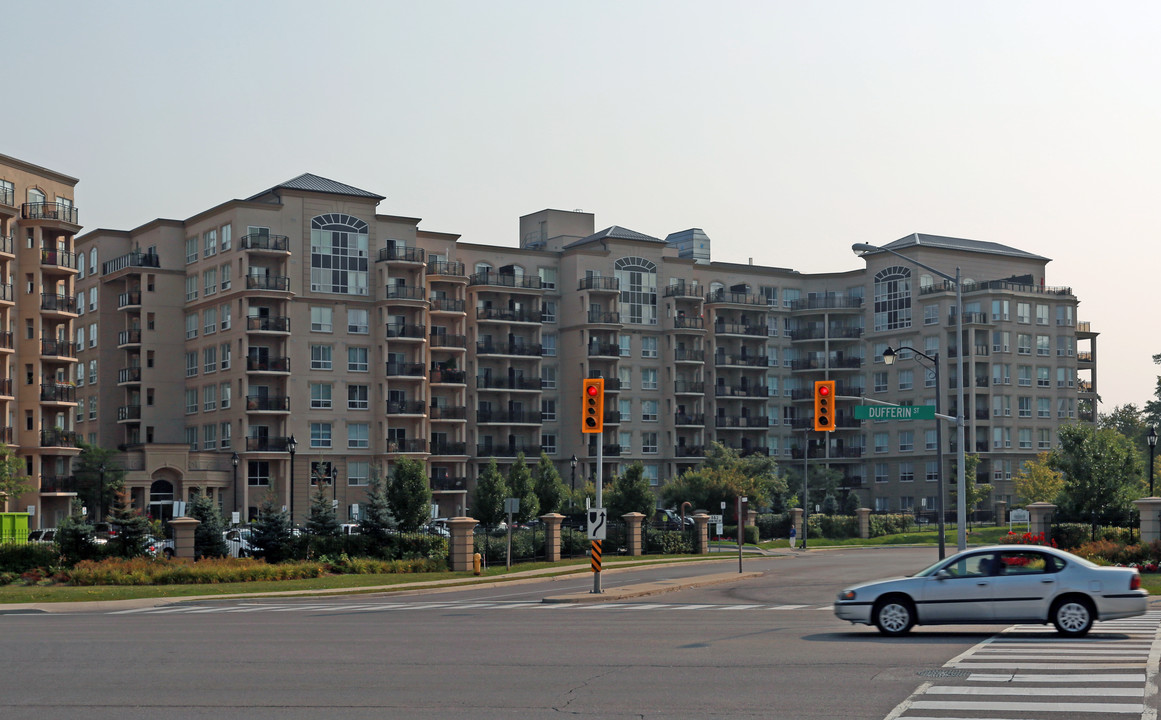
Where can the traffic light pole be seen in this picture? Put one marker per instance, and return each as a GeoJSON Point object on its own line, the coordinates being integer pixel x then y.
{"type": "Point", "coordinates": [600, 503]}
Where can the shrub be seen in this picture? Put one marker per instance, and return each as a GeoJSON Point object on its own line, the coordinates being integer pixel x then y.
{"type": "Point", "coordinates": [151, 571]}
{"type": "Point", "coordinates": [835, 527]}
{"type": "Point", "coordinates": [347, 565]}
{"type": "Point", "coordinates": [668, 542]}
{"type": "Point", "coordinates": [749, 533]}
{"type": "Point", "coordinates": [21, 558]}
{"type": "Point", "coordinates": [773, 525]}
{"type": "Point", "coordinates": [1072, 535]}
{"type": "Point", "coordinates": [573, 542]}
{"type": "Point", "coordinates": [891, 524]}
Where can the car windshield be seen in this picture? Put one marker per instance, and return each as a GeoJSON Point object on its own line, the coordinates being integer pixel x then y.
{"type": "Point", "coordinates": [930, 569]}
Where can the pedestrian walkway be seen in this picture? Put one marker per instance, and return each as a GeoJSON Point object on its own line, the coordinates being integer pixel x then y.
{"type": "Point", "coordinates": [1029, 671]}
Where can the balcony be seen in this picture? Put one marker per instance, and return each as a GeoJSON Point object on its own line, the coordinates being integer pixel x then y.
{"type": "Point", "coordinates": [6, 389]}
{"type": "Point", "coordinates": [7, 197]}
{"type": "Point", "coordinates": [611, 384]}
{"type": "Point", "coordinates": [444, 340]}
{"type": "Point", "coordinates": [447, 412]}
{"type": "Point", "coordinates": [62, 212]}
{"type": "Point", "coordinates": [405, 369]}
{"type": "Point", "coordinates": [268, 282]}
{"type": "Point", "coordinates": [7, 341]}
{"type": "Point", "coordinates": [508, 280]}
{"type": "Point", "coordinates": [448, 448]}
{"type": "Point", "coordinates": [265, 242]}
{"type": "Point", "coordinates": [488, 382]}
{"type": "Point", "coordinates": [129, 299]}
{"type": "Point", "coordinates": [688, 323]}
{"type": "Point", "coordinates": [268, 365]}
{"type": "Point", "coordinates": [835, 333]}
{"type": "Point", "coordinates": [58, 259]}
{"type": "Point", "coordinates": [7, 434]}
{"type": "Point", "coordinates": [508, 417]}
{"type": "Point", "coordinates": [682, 419]}
{"type": "Point", "coordinates": [725, 328]}
{"type": "Point", "coordinates": [58, 303]}
{"type": "Point", "coordinates": [522, 349]}
{"type": "Point", "coordinates": [128, 375]}
{"type": "Point", "coordinates": [6, 294]}
{"type": "Point", "coordinates": [507, 450]}
{"type": "Point", "coordinates": [448, 377]}
{"type": "Point", "coordinates": [268, 403]}
{"type": "Point", "coordinates": [599, 349]}
{"type": "Point", "coordinates": [411, 445]}
{"type": "Point", "coordinates": [57, 437]}
{"type": "Point", "coordinates": [830, 302]}
{"type": "Point", "coordinates": [406, 407]}
{"type": "Point", "coordinates": [395, 253]}
{"type": "Point", "coordinates": [736, 298]}
{"type": "Point", "coordinates": [609, 450]}
{"type": "Point", "coordinates": [58, 348]}
{"type": "Point", "coordinates": [448, 483]}
{"type": "Point", "coordinates": [406, 331]}
{"type": "Point", "coordinates": [266, 444]}
{"type": "Point", "coordinates": [58, 393]}
{"type": "Point", "coordinates": [689, 451]}
{"type": "Point", "coordinates": [447, 305]}
{"type": "Point", "coordinates": [731, 360]}
{"type": "Point", "coordinates": [128, 260]}
{"type": "Point", "coordinates": [684, 387]}
{"type": "Point", "coordinates": [58, 484]}
{"type": "Point", "coordinates": [131, 336]}
{"type": "Point", "coordinates": [503, 315]}
{"type": "Point", "coordinates": [599, 317]}
{"type": "Point", "coordinates": [129, 413]}
{"type": "Point", "coordinates": [742, 391]}
{"type": "Point", "coordinates": [275, 324]}
{"type": "Point", "coordinates": [405, 292]}
{"type": "Point", "coordinates": [683, 289]}
{"type": "Point", "coordinates": [600, 283]}
{"type": "Point", "coordinates": [694, 356]}
{"type": "Point", "coordinates": [741, 422]}
{"type": "Point", "coordinates": [445, 268]}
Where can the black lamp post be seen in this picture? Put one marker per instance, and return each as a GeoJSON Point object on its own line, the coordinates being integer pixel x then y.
{"type": "Point", "coordinates": [1152, 438]}
{"type": "Point", "coordinates": [101, 496]}
{"type": "Point", "coordinates": [234, 460]}
{"type": "Point", "coordinates": [335, 485]}
{"type": "Point", "coordinates": [291, 447]}
{"type": "Point", "coordinates": [572, 464]}
{"type": "Point", "coordinates": [889, 359]}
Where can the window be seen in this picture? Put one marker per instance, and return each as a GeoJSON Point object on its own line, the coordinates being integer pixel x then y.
{"type": "Point", "coordinates": [548, 443]}
{"type": "Point", "coordinates": [210, 436]}
{"type": "Point", "coordinates": [191, 437]}
{"type": "Point", "coordinates": [93, 371]}
{"type": "Point", "coordinates": [648, 411]}
{"type": "Point", "coordinates": [1025, 407]}
{"type": "Point", "coordinates": [906, 440]}
{"type": "Point", "coordinates": [225, 356]}
{"type": "Point", "coordinates": [1000, 310]}
{"type": "Point", "coordinates": [881, 476]}
{"type": "Point", "coordinates": [906, 472]}
{"type": "Point", "coordinates": [1043, 439]}
{"type": "Point", "coordinates": [224, 395]}
{"type": "Point", "coordinates": [626, 410]}
{"type": "Point", "coordinates": [893, 298]}
{"type": "Point", "coordinates": [191, 250]}
{"type": "Point", "coordinates": [625, 349]}
{"type": "Point", "coordinates": [930, 440]}
{"type": "Point", "coordinates": [548, 311]}
{"type": "Point", "coordinates": [210, 243]}
{"type": "Point", "coordinates": [930, 314]}
{"type": "Point", "coordinates": [258, 472]}
{"type": "Point", "coordinates": [625, 442]}
{"type": "Point", "coordinates": [638, 281]}
{"type": "Point", "coordinates": [338, 254]}
{"type": "Point", "coordinates": [1064, 315]}
{"type": "Point", "coordinates": [649, 443]}
{"type": "Point", "coordinates": [1001, 405]}
{"type": "Point", "coordinates": [191, 401]}
{"type": "Point", "coordinates": [320, 396]}
{"type": "Point", "coordinates": [648, 378]}
{"type": "Point", "coordinates": [209, 398]}
{"type": "Point", "coordinates": [1063, 378]}
{"type": "Point", "coordinates": [93, 407]}
{"type": "Point", "coordinates": [548, 345]}
{"type": "Point", "coordinates": [357, 321]}
{"type": "Point", "coordinates": [1023, 344]}
{"type": "Point", "coordinates": [1043, 345]}
{"type": "Point", "coordinates": [548, 377]}
{"type": "Point", "coordinates": [81, 337]}
{"type": "Point", "coordinates": [210, 320]}
{"type": "Point", "coordinates": [1024, 375]}
{"type": "Point", "coordinates": [358, 472]}
{"type": "Point", "coordinates": [1025, 439]}
{"type": "Point", "coordinates": [191, 326]}
{"type": "Point", "coordinates": [320, 357]}
{"type": "Point", "coordinates": [648, 347]}
{"type": "Point", "coordinates": [548, 410]}
{"type": "Point", "coordinates": [790, 296]}
{"type": "Point", "coordinates": [225, 276]}
{"type": "Point", "coordinates": [210, 359]}
{"type": "Point", "coordinates": [226, 234]}
{"type": "Point", "coordinates": [1001, 341]}
{"type": "Point", "coordinates": [357, 359]}
{"type": "Point", "coordinates": [210, 282]}
{"type": "Point", "coordinates": [1043, 407]}
{"type": "Point", "coordinates": [92, 299]}
{"type": "Point", "coordinates": [1041, 314]}
{"type": "Point", "coordinates": [1001, 374]}
{"type": "Point", "coordinates": [81, 302]}
{"type": "Point", "coordinates": [320, 435]}
{"type": "Point", "coordinates": [906, 379]}
{"type": "Point", "coordinates": [880, 379]}
{"type": "Point", "coordinates": [625, 376]}
{"type": "Point", "coordinates": [1065, 345]}
{"type": "Point", "coordinates": [358, 435]}
{"type": "Point", "coordinates": [358, 397]}
{"type": "Point", "coordinates": [932, 472]}
{"type": "Point", "coordinates": [225, 315]}
{"type": "Point", "coordinates": [191, 364]}
{"type": "Point", "coordinates": [547, 278]}
{"type": "Point", "coordinates": [1024, 313]}
{"type": "Point", "coordinates": [881, 442]}
{"type": "Point", "coordinates": [1043, 377]}
{"type": "Point", "coordinates": [320, 319]}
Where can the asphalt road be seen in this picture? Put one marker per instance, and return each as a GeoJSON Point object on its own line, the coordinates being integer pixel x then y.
{"type": "Point", "coordinates": [765, 647]}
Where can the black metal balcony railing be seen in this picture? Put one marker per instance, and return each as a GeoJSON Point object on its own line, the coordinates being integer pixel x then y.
{"type": "Point", "coordinates": [599, 349]}
{"type": "Point", "coordinates": [834, 333]}
{"type": "Point", "coordinates": [487, 382]}
{"type": "Point", "coordinates": [129, 374]}
{"type": "Point", "coordinates": [58, 258]}
{"type": "Point", "coordinates": [58, 484]}
{"type": "Point", "coordinates": [7, 340]}
{"type": "Point", "coordinates": [270, 364]}
{"type": "Point", "coordinates": [447, 305]}
{"type": "Point", "coordinates": [688, 451]}
{"type": "Point", "coordinates": [445, 484]}
{"type": "Point", "coordinates": [442, 376]}
{"type": "Point", "coordinates": [263, 241]}
{"type": "Point", "coordinates": [599, 282]}
{"type": "Point", "coordinates": [58, 348]}
{"type": "Point", "coordinates": [445, 267]}
{"type": "Point", "coordinates": [406, 330]}
{"type": "Point", "coordinates": [448, 412]}
{"type": "Point", "coordinates": [58, 303]}
{"type": "Point", "coordinates": [685, 419]}
{"type": "Point", "coordinates": [131, 336]}
{"type": "Point", "coordinates": [484, 348]}
{"type": "Point", "coordinates": [524, 282]}
{"type": "Point", "coordinates": [610, 450]}
{"type": "Point", "coordinates": [688, 323]}
{"type": "Point", "coordinates": [125, 299]}
{"type": "Point", "coordinates": [604, 318]}
{"type": "Point", "coordinates": [444, 340]}
{"type": "Point", "coordinates": [266, 444]}
{"type": "Point", "coordinates": [515, 417]}
{"type": "Point", "coordinates": [507, 450]}
{"type": "Point", "coordinates": [268, 324]}
{"type": "Point", "coordinates": [50, 211]}
{"type": "Point", "coordinates": [735, 298]}
{"type": "Point", "coordinates": [8, 196]}
{"type": "Point", "coordinates": [529, 316]}
{"type": "Point", "coordinates": [268, 403]}
{"type": "Point", "coordinates": [830, 302]}
{"type": "Point", "coordinates": [725, 328]}
{"type": "Point", "coordinates": [405, 369]}
{"type": "Point", "coordinates": [682, 355]}
{"type": "Point", "coordinates": [611, 384]}
{"type": "Point", "coordinates": [267, 282]}
{"type": "Point", "coordinates": [741, 421]}
{"type": "Point", "coordinates": [410, 445]}
{"type": "Point", "coordinates": [56, 392]}
{"type": "Point", "coordinates": [404, 254]}
{"type": "Point", "coordinates": [683, 289]}
{"type": "Point", "coordinates": [6, 388]}
{"type": "Point", "coordinates": [753, 391]}
{"type": "Point", "coordinates": [448, 448]}
{"type": "Point", "coordinates": [687, 387]}
{"type": "Point", "coordinates": [6, 293]}
{"type": "Point", "coordinates": [727, 359]}
{"type": "Point", "coordinates": [133, 259]}
{"type": "Point", "coordinates": [405, 292]}
{"type": "Point", "coordinates": [129, 412]}
{"type": "Point", "coordinates": [56, 437]}
{"type": "Point", "coordinates": [406, 407]}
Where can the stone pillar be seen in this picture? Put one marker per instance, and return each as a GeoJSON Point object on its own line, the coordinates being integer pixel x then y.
{"type": "Point", "coordinates": [552, 523]}
{"type": "Point", "coordinates": [864, 515]}
{"type": "Point", "coordinates": [634, 539]}
{"type": "Point", "coordinates": [183, 536]}
{"type": "Point", "coordinates": [1040, 517]}
{"type": "Point", "coordinates": [701, 533]}
{"type": "Point", "coordinates": [1001, 512]}
{"type": "Point", "coordinates": [751, 517]}
{"type": "Point", "coordinates": [1150, 509]}
{"type": "Point", "coordinates": [796, 515]}
{"type": "Point", "coordinates": [462, 543]}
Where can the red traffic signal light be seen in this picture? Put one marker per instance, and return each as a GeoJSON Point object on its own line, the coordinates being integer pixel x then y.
{"type": "Point", "coordinates": [593, 406]}
{"type": "Point", "coordinates": [824, 405]}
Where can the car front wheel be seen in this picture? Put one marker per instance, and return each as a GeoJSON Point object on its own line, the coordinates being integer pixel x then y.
{"type": "Point", "coordinates": [894, 615]}
{"type": "Point", "coordinates": [1072, 616]}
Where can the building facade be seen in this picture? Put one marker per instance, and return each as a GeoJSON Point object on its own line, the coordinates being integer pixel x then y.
{"type": "Point", "coordinates": [302, 313]}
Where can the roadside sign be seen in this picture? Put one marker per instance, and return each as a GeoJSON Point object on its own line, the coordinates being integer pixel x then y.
{"type": "Point", "coordinates": [716, 519]}
{"type": "Point", "coordinates": [511, 506]}
{"type": "Point", "coordinates": [1018, 515]}
{"type": "Point", "coordinates": [892, 412]}
{"type": "Point", "coordinates": [597, 525]}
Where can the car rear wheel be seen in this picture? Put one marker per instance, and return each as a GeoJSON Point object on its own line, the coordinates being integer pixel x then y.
{"type": "Point", "coordinates": [894, 615]}
{"type": "Point", "coordinates": [168, 553]}
{"type": "Point", "coordinates": [1072, 616]}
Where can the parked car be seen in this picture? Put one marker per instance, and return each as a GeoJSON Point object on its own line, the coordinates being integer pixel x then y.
{"type": "Point", "coordinates": [1000, 584]}
{"type": "Point", "coordinates": [160, 546]}
{"type": "Point", "coordinates": [44, 535]}
{"type": "Point", "coordinates": [103, 532]}
{"type": "Point", "coordinates": [670, 520]}
{"type": "Point", "coordinates": [238, 540]}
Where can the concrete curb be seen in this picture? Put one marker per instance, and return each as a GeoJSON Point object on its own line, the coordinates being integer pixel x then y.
{"type": "Point", "coordinates": [653, 588]}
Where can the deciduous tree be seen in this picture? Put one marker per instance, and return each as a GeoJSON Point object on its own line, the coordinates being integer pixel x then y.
{"type": "Point", "coordinates": [13, 481]}
{"type": "Point", "coordinates": [1037, 481]}
{"type": "Point", "coordinates": [521, 487]}
{"type": "Point", "coordinates": [550, 490]}
{"type": "Point", "coordinates": [630, 492]}
{"type": "Point", "coordinates": [409, 495]}
{"type": "Point", "coordinates": [491, 489]}
{"type": "Point", "coordinates": [1102, 472]}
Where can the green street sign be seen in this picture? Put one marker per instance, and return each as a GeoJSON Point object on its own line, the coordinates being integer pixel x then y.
{"type": "Point", "coordinates": [890, 412]}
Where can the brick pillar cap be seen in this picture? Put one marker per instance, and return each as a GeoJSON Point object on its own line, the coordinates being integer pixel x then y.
{"type": "Point", "coordinates": [183, 520]}
{"type": "Point", "coordinates": [633, 515]}
{"type": "Point", "coordinates": [552, 515]}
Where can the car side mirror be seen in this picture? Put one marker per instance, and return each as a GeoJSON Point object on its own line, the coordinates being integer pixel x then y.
{"type": "Point", "coordinates": [942, 575]}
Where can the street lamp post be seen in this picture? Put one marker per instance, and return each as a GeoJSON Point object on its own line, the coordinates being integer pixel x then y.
{"type": "Point", "coordinates": [291, 447]}
{"type": "Point", "coordinates": [572, 464]}
{"type": "Point", "coordinates": [234, 460]}
{"type": "Point", "coordinates": [1152, 438]}
{"type": "Point", "coordinates": [889, 358]}
{"type": "Point", "coordinates": [335, 485]}
{"type": "Point", "coordinates": [101, 496]}
{"type": "Point", "coordinates": [961, 482]}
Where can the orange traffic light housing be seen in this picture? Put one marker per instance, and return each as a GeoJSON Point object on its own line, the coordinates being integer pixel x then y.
{"type": "Point", "coordinates": [593, 404]}
{"type": "Point", "coordinates": [824, 405]}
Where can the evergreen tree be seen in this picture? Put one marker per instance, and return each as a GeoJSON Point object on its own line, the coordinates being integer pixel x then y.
{"type": "Point", "coordinates": [208, 540]}
{"type": "Point", "coordinates": [850, 503]}
{"type": "Point", "coordinates": [409, 495]}
{"type": "Point", "coordinates": [829, 505]}
{"type": "Point", "coordinates": [97, 494]}
{"type": "Point", "coordinates": [133, 528]}
{"type": "Point", "coordinates": [630, 492]}
{"type": "Point", "coordinates": [375, 519]}
{"type": "Point", "coordinates": [488, 505]}
{"type": "Point", "coordinates": [74, 536]}
{"type": "Point", "coordinates": [322, 525]}
{"type": "Point", "coordinates": [549, 488]}
{"type": "Point", "coordinates": [520, 485]}
{"type": "Point", "coordinates": [271, 535]}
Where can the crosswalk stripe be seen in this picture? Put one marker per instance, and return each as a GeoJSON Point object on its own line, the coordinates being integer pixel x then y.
{"type": "Point", "coordinates": [1015, 677]}
{"type": "Point", "coordinates": [1092, 692]}
{"type": "Point", "coordinates": [1011, 706]}
{"type": "Point", "coordinates": [1051, 666]}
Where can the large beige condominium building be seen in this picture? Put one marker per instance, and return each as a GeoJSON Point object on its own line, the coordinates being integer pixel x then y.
{"type": "Point", "coordinates": [302, 313]}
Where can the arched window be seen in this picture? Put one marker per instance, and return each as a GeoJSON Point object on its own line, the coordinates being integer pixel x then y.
{"type": "Point", "coordinates": [638, 280]}
{"type": "Point", "coordinates": [893, 298]}
{"type": "Point", "coordinates": [338, 254]}
{"type": "Point", "coordinates": [483, 267]}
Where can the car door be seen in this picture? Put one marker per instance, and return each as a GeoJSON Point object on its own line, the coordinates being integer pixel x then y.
{"type": "Point", "coordinates": [1023, 585]}
{"type": "Point", "coordinates": [962, 594]}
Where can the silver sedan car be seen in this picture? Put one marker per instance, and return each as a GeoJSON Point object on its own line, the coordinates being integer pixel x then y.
{"type": "Point", "coordinates": [999, 584]}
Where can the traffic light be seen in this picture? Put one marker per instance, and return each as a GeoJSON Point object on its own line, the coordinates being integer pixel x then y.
{"type": "Point", "coordinates": [824, 405]}
{"type": "Point", "coordinates": [593, 402]}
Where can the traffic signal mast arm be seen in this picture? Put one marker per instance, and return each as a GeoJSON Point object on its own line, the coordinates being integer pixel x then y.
{"type": "Point", "coordinates": [863, 398]}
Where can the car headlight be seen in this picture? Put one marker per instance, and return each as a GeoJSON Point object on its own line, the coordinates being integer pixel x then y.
{"type": "Point", "coordinates": [846, 595]}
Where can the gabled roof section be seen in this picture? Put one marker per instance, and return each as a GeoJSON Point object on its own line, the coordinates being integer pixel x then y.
{"type": "Point", "coordinates": [950, 243]}
{"type": "Point", "coordinates": [315, 183]}
{"type": "Point", "coordinates": [614, 232]}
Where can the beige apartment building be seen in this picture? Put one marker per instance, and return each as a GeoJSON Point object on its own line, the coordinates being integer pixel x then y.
{"type": "Point", "coordinates": [38, 268]}
{"type": "Point", "coordinates": [301, 318]}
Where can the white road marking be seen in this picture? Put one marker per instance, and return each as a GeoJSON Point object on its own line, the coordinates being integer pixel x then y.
{"type": "Point", "coordinates": [1092, 692]}
{"type": "Point", "coordinates": [1010, 706]}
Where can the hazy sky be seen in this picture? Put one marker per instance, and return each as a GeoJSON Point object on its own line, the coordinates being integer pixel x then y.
{"type": "Point", "coordinates": [787, 130]}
